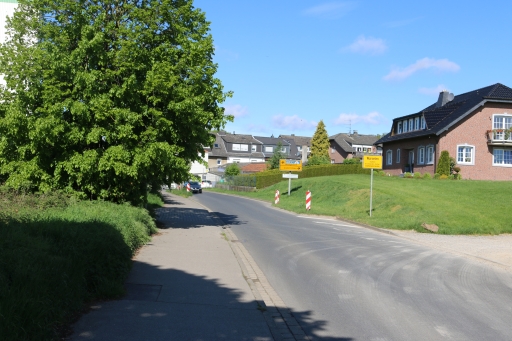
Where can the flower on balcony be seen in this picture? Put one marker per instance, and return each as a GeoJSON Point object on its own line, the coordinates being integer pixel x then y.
{"type": "Point", "coordinates": [492, 133]}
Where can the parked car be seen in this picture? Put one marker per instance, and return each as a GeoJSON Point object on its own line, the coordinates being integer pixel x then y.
{"type": "Point", "coordinates": [195, 187]}
{"type": "Point", "coordinates": [206, 184]}
{"type": "Point", "coordinates": [174, 186]}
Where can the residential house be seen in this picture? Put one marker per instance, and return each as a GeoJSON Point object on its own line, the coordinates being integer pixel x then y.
{"type": "Point", "coordinates": [230, 148]}
{"type": "Point", "coordinates": [270, 145]}
{"type": "Point", "coordinates": [298, 144]}
{"type": "Point", "coordinates": [474, 127]}
{"type": "Point", "coordinates": [345, 146]}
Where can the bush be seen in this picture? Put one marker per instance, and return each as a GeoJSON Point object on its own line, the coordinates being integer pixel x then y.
{"type": "Point", "coordinates": [444, 165]}
{"type": "Point", "coordinates": [232, 170]}
{"type": "Point", "coordinates": [408, 175]}
{"type": "Point", "coordinates": [352, 161]}
{"type": "Point", "coordinates": [417, 175]}
{"type": "Point", "coordinates": [53, 261]}
{"type": "Point", "coordinates": [318, 160]}
{"type": "Point", "coordinates": [443, 177]}
{"type": "Point", "coordinates": [437, 176]}
{"type": "Point", "coordinates": [427, 176]}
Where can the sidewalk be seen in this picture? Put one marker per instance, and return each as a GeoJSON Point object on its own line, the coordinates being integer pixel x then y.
{"type": "Point", "coordinates": [185, 285]}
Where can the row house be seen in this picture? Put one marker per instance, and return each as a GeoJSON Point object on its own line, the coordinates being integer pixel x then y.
{"type": "Point", "coordinates": [346, 146]}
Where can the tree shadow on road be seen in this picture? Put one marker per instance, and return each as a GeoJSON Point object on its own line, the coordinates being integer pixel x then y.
{"type": "Point", "coordinates": [171, 304]}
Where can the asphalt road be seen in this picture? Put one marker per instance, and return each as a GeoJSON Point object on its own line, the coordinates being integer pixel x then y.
{"type": "Point", "coordinates": [344, 282]}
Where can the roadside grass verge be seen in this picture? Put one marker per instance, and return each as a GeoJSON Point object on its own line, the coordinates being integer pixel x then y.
{"type": "Point", "coordinates": [457, 207]}
{"type": "Point", "coordinates": [181, 192]}
{"type": "Point", "coordinates": [56, 257]}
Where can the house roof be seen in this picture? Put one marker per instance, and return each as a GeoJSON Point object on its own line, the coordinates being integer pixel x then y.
{"type": "Point", "coordinates": [272, 140]}
{"type": "Point", "coordinates": [346, 141]}
{"type": "Point", "coordinates": [299, 140]}
{"type": "Point", "coordinates": [439, 119]}
{"type": "Point", "coordinates": [240, 138]}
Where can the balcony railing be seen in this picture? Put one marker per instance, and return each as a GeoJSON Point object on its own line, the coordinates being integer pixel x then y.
{"type": "Point", "coordinates": [499, 137]}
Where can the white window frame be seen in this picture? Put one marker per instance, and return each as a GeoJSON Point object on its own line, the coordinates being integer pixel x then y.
{"type": "Point", "coordinates": [269, 149]}
{"type": "Point", "coordinates": [283, 150]}
{"type": "Point", "coordinates": [430, 155]}
{"type": "Point", "coordinates": [254, 148]}
{"type": "Point", "coordinates": [299, 148]}
{"type": "Point", "coordinates": [405, 126]}
{"type": "Point", "coordinates": [501, 164]}
{"type": "Point", "coordinates": [416, 123]}
{"type": "Point", "coordinates": [421, 155]}
{"type": "Point", "coordinates": [219, 162]}
{"type": "Point", "coordinates": [411, 124]}
{"type": "Point", "coordinates": [502, 125]}
{"type": "Point", "coordinates": [333, 150]}
{"type": "Point", "coordinates": [464, 160]}
{"type": "Point", "coordinates": [332, 160]}
{"type": "Point", "coordinates": [389, 157]}
{"type": "Point", "coordinates": [422, 124]}
{"type": "Point", "coordinates": [399, 128]}
{"type": "Point", "coordinates": [235, 146]}
{"type": "Point", "coordinates": [398, 155]}
{"type": "Point", "coordinates": [236, 160]}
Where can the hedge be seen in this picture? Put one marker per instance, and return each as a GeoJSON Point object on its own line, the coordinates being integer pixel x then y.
{"type": "Point", "coordinates": [269, 178]}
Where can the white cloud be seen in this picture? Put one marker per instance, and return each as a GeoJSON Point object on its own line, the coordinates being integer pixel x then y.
{"type": "Point", "coordinates": [292, 122]}
{"type": "Point", "coordinates": [330, 10]}
{"type": "Point", "coordinates": [433, 91]}
{"type": "Point", "coordinates": [425, 63]}
{"type": "Point", "coordinates": [372, 118]}
{"type": "Point", "coordinates": [367, 45]}
{"type": "Point", "coordinates": [236, 110]}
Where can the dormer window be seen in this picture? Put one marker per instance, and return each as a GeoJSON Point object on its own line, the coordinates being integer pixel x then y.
{"type": "Point", "coordinates": [411, 127]}
{"type": "Point", "coordinates": [416, 123]}
{"type": "Point", "coordinates": [422, 122]}
{"type": "Point", "coordinates": [405, 126]}
{"type": "Point", "coordinates": [399, 128]}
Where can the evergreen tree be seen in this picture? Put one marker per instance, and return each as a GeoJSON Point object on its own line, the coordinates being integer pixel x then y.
{"type": "Point", "coordinates": [273, 163]}
{"type": "Point", "coordinates": [320, 142]}
{"type": "Point", "coordinates": [443, 166]}
{"type": "Point", "coordinates": [106, 98]}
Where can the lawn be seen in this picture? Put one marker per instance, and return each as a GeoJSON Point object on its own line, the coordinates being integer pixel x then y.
{"type": "Point", "coordinates": [457, 207]}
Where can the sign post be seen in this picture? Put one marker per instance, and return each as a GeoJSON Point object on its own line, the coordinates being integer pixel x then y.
{"type": "Point", "coordinates": [290, 165]}
{"type": "Point", "coordinates": [372, 162]}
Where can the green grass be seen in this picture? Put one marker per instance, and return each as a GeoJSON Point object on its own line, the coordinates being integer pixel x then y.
{"type": "Point", "coordinates": [57, 254]}
{"type": "Point", "coordinates": [181, 192]}
{"type": "Point", "coordinates": [457, 207]}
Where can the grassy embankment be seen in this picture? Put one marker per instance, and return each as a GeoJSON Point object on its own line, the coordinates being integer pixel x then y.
{"type": "Point", "coordinates": [57, 254]}
{"type": "Point", "coordinates": [457, 207]}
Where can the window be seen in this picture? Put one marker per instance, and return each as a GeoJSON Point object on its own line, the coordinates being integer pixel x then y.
{"type": "Point", "coordinates": [398, 156]}
{"type": "Point", "coordinates": [502, 157]}
{"type": "Point", "coordinates": [417, 123]}
{"type": "Point", "coordinates": [411, 128]}
{"type": "Point", "coordinates": [466, 155]}
{"type": "Point", "coordinates": [502, 122]}
{"type": "Point", "coordinates": [405, 126]}
{"type": "Point", "coordinates": [219, 161]}
{"type": "Point", "coordinates": [299, 148]}
{"type": "Point", "coordinates": [253, 160]}
{"type": "Point", "coordinates": [241, 147]}
{"type": "Point", "coordinates": [421, 155]}
{"type": "Point", "coordinates": [389, 157]}
{"type": "Point", "coordinates": [399, 128]}
{"type": "Point", "coordinates": [333, 150]}
{"type": "Point", "coordinates": [283, 149]}
{"type": "Point", "coordinates": [269, 149]}
{"type": "Point", "coordinates": [422, 122]}
{"type": "Point", "coordinates": [216, 145]}
{"type": "Point", "coordinates": [332, 160]}
{"type": "Point", "coordinates": [430, 155]}
{"type": "Point", "coordinates": [253, 148]}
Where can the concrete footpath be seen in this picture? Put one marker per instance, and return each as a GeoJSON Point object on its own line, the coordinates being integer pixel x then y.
{"type": "Point", "coordinates": [191, 282]}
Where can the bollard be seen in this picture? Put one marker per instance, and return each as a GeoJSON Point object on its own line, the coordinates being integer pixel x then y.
{"type": "Point", "coordinates": [308, 200]}
{"type": "Point", "coordinates": [276, 200]}
{"type": "Point", "coordinates": [188, 187]}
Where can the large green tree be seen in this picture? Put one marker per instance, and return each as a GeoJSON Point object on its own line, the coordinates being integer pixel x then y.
{"type": "Point", "coordinates": [319, 145]}
{"type": "Point", "coordinates": [105, 98]}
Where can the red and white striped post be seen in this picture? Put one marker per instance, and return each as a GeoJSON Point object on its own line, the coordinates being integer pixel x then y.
{"type": "Point", "coordinates": [276, 200]}
{"type": "Point", "coordinates": [308, 200]}
{"type": "Point", "coordinates": [188, 187]}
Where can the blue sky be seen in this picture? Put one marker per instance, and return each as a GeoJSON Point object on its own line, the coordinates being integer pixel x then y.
{"type": "Point", "coordinates": [353, 64]}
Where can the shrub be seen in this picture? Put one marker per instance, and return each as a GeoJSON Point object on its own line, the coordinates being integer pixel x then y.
{"type": "Point", "coordinates": [427, 176]}
{"type": "Point", "coordinates": [444, 167]}
{"type": "Point", "coordinates": [443, 177]}
{"type": "Point", "coordinates": [232, 170]}
{"type": "Point", "coordinates": [408, 175]}
{"type": "Point", "coordinates": [352, 161]}
{"type": "Point", "coordinates": [437, 176]}
{"type": "Point", "coordinates": [318, 160]}
{"type": "Point", "coordinates": [417, 175]}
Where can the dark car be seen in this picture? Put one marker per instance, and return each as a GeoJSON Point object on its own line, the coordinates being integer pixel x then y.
{"type": "Point", "coordinates": [195, 187]}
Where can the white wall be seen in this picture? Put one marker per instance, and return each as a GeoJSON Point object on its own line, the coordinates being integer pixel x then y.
{"type": "Point", "coordinates": [7, 8]}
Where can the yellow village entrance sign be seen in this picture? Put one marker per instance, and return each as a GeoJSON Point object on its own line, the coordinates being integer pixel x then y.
{"type": "Point", "coordinates": [372, 161]}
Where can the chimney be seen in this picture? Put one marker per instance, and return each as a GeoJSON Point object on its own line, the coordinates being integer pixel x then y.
{"type": "Point", "coordinates": [293, 134]}
{"type": "Point", "coordinates": [355, 133]}
{"type": "Point", "coordinates": [444, 97]}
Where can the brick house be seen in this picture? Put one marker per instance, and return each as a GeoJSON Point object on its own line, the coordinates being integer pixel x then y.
{"type": "Point", "coordinates": [238, 148]}
{"type": "Point", "coordinates": [345, 146]}
{"type": "Point", "coordinates": [474, 127]}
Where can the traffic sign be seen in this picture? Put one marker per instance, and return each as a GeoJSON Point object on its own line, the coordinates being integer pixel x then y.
{"type": "Point", "coordinates": [290, 165]}
{"type": "Point", "coordinates": [372, 161]}
{"type": "Point", "coordinates": [291, 176]}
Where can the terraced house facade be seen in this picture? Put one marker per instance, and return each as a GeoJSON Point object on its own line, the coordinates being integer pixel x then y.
{"type": "Point", "coordinates": [474, 127]}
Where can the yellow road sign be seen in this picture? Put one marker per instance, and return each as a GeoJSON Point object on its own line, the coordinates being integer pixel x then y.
{"type": "Point", "coordinates": [290, 165]}
{"type": "Point", "coordinates": [372, 161]}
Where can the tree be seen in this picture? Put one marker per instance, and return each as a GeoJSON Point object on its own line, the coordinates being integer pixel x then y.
{"type": "Point", "coordinates": [273, 162]}
{"type": "Point", "coordinates": [106, 98]}
{"type": "Point", "coordinates": [443, 166]}
{"type": "Point", "coordinates": [320, 142]}
{"type": "Point", "coordinates": [232, 170]}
